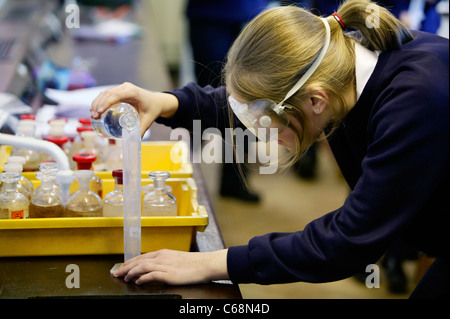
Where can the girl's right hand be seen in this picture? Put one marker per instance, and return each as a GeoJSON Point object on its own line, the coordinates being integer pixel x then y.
{"type": "Point", "coordinates": [150, 105]}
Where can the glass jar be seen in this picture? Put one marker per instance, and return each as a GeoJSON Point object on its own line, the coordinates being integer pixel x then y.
{"type": "Point", "coordinates": [13, 204]}
{"type": "Point", "coordinates": [84, 202]}
{"type": "Point", "coordinates": [45, 202]}
{"type": "Point", "coordinates": [159, 202]}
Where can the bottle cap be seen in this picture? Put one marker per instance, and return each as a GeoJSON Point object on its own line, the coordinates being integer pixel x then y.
{"type": "Point", "coordinates": [48, 166]}
{"type": "Point", "coordinates": [13, 167]}
{"type": "Point", "coordinates": [58, 121]}
{"type": "Point", "coordinates": [84, 174]}
{"type": "Point", "coordinates": [84, 128]}
{"type": "Point", "coordinates": [16, 159]}
{"type": "Point", "coordinates": [84, 121]}
{"type": "Point", "coordinates": [60, 141]}
{"type": "Point", "coordinates": [28, 117]}
{"type": "Point", "coordinates": [90, 135]}
{"type": "Point", "coordinates": [11, 177]}
{"type": "Point", "coordinates": [56, 131]}
{"type": "Point", "coordinates": [25, 130]}
{"type": "Point", "coordinates": [118, 175]}
{"type": "Point", "coordinates": [84, 160]}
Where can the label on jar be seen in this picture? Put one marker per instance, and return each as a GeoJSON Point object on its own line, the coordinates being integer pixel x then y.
{"type": "Point", "coordinates": [18, 214]}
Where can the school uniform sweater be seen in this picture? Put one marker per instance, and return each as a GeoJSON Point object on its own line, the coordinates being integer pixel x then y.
{"type": "Point", "coordinates": [393, 150]}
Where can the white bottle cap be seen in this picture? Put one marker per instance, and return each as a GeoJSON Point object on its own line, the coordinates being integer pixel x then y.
{"type": "Point", "coordinates": [88, 135]}
{"type": "Point", "coordinates": [56, 131]}
{"type": "Point", "coordinates": [25, 130]}
{"type": "Point", "coordinates": [16, 159]}
{"type": "Point", "coordinates": [13, 167]}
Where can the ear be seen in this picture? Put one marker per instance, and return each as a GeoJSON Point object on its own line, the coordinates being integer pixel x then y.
{"type": "Point", "coordinates": [318, 99]}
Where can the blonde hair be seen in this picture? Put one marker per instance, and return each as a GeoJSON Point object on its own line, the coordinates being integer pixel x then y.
{"type": "Point", "coordinates": [277, 47]}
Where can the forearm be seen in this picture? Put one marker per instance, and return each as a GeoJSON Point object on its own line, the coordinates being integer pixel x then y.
{"type": "Point", "coordinates": [215, 263]}
{"type": "Point", "coordinates": [169, 104]}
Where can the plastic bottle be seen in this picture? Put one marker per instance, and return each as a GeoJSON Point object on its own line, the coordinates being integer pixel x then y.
{"type": "Point", "coordinates": [113, 201]}
{"type": "Point", "coordinates": [45, 202]}
{"type": "Point", "coordinates": [84, 203]}
{"type": "Point", "coordinates": [57, 136]}
{"type": "Point", "coordinates": [13, 204]}
{"type": "Point", "coordinates": [24, 185]}
{"type": "Point", "coordinates": [84, 162]}
{"type": "Point", "coordinates": [118, 116]}
{"type": "Point", "coordinates": [113, 155]}
{"type": "Point", "coordinates": [77, 144]}
{"type": "Point", "coordinates": [89, 146]}
{"type": "Point", "coordinates": [159, 202]}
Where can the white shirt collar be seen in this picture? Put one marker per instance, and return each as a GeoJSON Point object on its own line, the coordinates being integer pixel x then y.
{"type": "Point", "coordinates": [365, 61]}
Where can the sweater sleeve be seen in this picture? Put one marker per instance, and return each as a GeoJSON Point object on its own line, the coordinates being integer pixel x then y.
{"type": "Point", "coordinates": [407, 157]}
{"type": "Point", "coordinates": [207, 104]}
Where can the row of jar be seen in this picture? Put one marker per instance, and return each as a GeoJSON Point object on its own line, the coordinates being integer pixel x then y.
{"type": "Point", "coordinates": [108, 151]}
{"type": "Point", "coordinates": [45, 201]}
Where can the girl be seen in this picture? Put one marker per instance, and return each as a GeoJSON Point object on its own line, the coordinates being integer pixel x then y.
{"type": "Point", "coordinates": [378, 94]}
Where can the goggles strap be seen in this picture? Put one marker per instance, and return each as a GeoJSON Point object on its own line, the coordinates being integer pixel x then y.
{"type": "Point", "coordinates": [279, 107]}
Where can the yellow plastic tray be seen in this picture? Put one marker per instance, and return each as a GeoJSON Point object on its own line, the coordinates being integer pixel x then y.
{"type": "Point", "coordinates": [170, 156]}
{"type": "Point", "coordinates": [104, 235]}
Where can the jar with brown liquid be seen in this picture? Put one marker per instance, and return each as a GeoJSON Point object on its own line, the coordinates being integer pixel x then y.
{"type": "Point", "coordinates": [46, 203]}
{"type": "Point", "coordinates": [84, 202]}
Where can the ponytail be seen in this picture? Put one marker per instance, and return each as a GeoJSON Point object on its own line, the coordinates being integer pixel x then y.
{"type": "Point", "coordinates": [378, 28]}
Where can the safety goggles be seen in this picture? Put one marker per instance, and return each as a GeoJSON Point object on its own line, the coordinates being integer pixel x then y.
{"type": "Point", "coordinates": [265, 118]}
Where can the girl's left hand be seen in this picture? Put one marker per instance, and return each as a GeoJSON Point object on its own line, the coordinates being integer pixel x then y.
{"type": "Point", "coordinates": [175, 267]}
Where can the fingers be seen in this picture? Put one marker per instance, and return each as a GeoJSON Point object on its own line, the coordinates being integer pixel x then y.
{"type": "Point", "coordinates": [112, 96]}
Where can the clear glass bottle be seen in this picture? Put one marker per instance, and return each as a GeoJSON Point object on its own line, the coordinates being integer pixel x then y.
{"type": "Point", "coordinates": [24, 181]}
{"type": "Point", "coordinates": [84, 203]}
{"type": "Point", "coordinates": [118, 116]}
{"type": "Point", "coordinates": [159, 202]}
{"type": "Point", "coordinates": [84, 162]}
{"type": "Point", "coordinates": [24, 185]}
{"type": "Point", "coordinates": [51, 168]}
{"type": "Point", "coordinates": [113, 201]}
{"type": "Point", "coordinates": [45, 202]}
{"type": "Point", "coordinates": [13, 204]}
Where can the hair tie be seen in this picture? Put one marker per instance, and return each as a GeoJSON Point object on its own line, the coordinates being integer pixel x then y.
{"type": "Point", "coordinates": [339, 19]}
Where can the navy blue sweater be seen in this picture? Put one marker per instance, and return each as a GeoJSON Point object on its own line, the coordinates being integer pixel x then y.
{"type": "Point", "coordinates": [393, 150]}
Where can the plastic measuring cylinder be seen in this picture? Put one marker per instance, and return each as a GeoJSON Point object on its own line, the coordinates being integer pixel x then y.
{"type": "Point", "coordinates": [131, 148]}
{"type": "Point", "coordinates": [121, 122]}
{"type": "Point", "coordinates": [118, 116]}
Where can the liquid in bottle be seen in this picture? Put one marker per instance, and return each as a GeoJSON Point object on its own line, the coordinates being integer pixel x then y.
{"type": "Point", "coordinates": [159, 202]}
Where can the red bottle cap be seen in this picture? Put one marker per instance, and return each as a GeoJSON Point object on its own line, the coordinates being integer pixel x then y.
{"type": "Point", "coordinates": [84, 128]}
{"type": "Point", "coordinates": [28, 117]}
{"type": "Point", "coordinates": [118, 176]}
{"type": "Point", "coordinates": [84, 121]}
{"type": "Point", "coordinates": [60, 141]}
{"type": "Point", "coordinates": [84, 160]}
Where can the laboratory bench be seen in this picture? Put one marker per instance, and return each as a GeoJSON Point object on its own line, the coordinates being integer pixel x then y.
{"type": "Point", "coordinates": [47, 276]}
{"type": "Point", "coordinates": [53, 276]}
